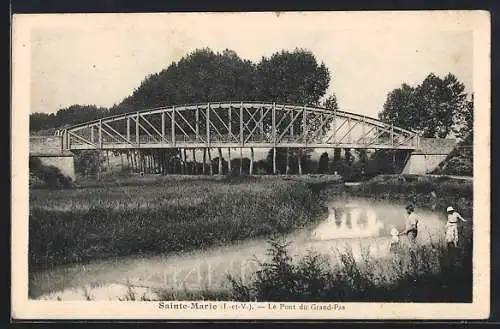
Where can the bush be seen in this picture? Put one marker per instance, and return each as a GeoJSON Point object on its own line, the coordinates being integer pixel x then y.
{"type": "Point", "coordinates": [421, 273]}
{"type": "Point", "coordinates": [42, 176]}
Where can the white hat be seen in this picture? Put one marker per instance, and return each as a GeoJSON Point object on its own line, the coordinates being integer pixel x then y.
{"type": "Point", "coordinates": [449, 209]}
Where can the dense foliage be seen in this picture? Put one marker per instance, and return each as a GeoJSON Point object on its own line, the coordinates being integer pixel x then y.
{"type": "Point", "coordinates": [207, 76]}
{"type": "Point", "coordinates": [438, 107]}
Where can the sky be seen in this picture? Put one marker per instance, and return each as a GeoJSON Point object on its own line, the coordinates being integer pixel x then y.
{"type": "Point", "coordinates": [101, 59]}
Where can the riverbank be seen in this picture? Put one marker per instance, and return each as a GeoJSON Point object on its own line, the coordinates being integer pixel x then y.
{"type": "Point", "coordinates": [421, 273]}
{"type": "Point", "coordinates": [158, 215]}
{"type": "Point", "coordinates": [98, 222]}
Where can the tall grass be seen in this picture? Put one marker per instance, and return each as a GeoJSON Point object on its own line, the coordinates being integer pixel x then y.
{"type": "Point", "coordinates": [421, 273]}
{"type": "Point", "coordinates": [426, 273]}
{"type": "Point", "coordinates": [118, 221]}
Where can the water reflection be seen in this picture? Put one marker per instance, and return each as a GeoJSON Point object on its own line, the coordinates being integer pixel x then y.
{"type": "Point", "coordinates": [349, 221]}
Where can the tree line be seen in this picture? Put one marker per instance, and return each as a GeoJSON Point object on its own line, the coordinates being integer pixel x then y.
{"type": "Point", "coordinates": [437, 107]}
{"type": "Point", "coordinates": [206, 76]}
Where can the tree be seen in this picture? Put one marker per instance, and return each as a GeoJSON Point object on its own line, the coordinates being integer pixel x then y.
{"type": "Point", "coordinates": [465, 128]}
{"type": "Point", "coordinates": [68, 116]}
{"type": "Point", "coordinates": [330, 102]}
{"type": "Point", "coordinates": [292, 77]}
{"type": "Point", "coordinates": [88, 162]}
{"type": "Point", "coordinates": [323, 163]}
{"type": "Point", "coordinates": [431, 108]}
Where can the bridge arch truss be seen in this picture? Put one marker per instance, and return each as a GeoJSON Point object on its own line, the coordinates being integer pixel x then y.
{"type": "Point", "coordinates": [237, 125]}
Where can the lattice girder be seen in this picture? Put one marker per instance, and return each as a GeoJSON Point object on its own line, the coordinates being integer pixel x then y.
{"type": "Point", "coordinates": [237, 124]}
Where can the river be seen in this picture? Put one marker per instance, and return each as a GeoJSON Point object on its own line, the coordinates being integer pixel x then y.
{"type": "Point", "coordinates": [359, 224]}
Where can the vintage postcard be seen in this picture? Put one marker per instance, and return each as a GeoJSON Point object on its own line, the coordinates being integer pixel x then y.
{"type": "Point", "coordinates": [292, 165]}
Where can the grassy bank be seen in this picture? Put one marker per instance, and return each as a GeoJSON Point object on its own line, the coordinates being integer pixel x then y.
{"type": "Point", "coordinates": [425, 192]}
{"type": "Point", "coordinates": [423, 273]}
{"type": "Point", "coordinates": [161, 215]}
{"type": "Point", "coordinates": [176, 214]}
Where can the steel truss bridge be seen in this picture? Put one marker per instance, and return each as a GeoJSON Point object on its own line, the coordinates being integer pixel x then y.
{"type": "Point", "coordinates": [237, 125]}
{"type": "Point", "coordinates": [229, 125]}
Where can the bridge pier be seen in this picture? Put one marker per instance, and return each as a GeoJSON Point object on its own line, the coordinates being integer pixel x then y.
{"type": "Point", "coordinates": [204, 161]}
{"type": "Point", "coordinates": [220, 162]}
{"type": "Point", "coordinates": [287, 170]}
{"type": "Point", "coordinates": [299, 161]}
{"type": "Point", "coordinates": [195, 165]}
{"type": "Point", "coordinates": [184, 162]}
{"type": "Point", "coordinates": [431, 153]}
{"type": "Point", "coordinates": [229, 169]}
{"type": "Point", "coordinates": [241, 161]}
{"type": "Point", "coordinates": [210, 162]}
{"type": "Point", "coordinates": [274, 160]}
{"type": "Point", "coordinates": [251, 161]}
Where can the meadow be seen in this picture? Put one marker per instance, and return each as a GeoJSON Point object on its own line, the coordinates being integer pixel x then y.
{"type": "Point", "coordinates": [161, 215]}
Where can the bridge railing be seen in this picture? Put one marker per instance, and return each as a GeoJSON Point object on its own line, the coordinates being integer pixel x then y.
{"type": "Point", "coordinates": [265, 124]}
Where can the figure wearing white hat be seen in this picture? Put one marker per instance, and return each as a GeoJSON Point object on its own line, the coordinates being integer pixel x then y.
{"type": "Point", "coordinates": [452, 226]}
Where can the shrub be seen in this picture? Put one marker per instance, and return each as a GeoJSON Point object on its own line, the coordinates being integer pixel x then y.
{"type": "Point", "coordinates": [42, 176]}
{"type": "Point", "coordinates": [421, 273]}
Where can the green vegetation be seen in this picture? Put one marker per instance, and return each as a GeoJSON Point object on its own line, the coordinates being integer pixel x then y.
{"type": "Point", "coordinates": [435, 108]}
{"type": "Point", "coordinates": [161, 216]}
{"type": "Point", "coordinates": [425, 192]}
{"type": "Point", "coordinates": [176, 214]}
{"type": "Point", "coordinates": [207, 76]}
{"type": "Point", "coordinates": [424, 273]}
{"type": "Point", "coordinates": [42, 176]}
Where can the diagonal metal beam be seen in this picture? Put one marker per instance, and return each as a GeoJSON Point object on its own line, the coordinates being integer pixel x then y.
{"type": "Point", "coordinates": [256, 126]}
{"type": "Point", "coordinates": [116, 132]}
{"type": "Point", "coordinates": [226, 126]}
{"type": "Point", "coordinates": [405, 140]}
{"type": "Point", "coordinates": [336, 130]}
{"type": "Point", "coordinates": [348, 131]}
{"type": "Point", "coordinates": [323, 123]}
{"type": "Point", "coordinates": [291, 122]}
{"type": "Point", "coordinates": [382, 131]}
{"type": "Point", "coordinates": [183, 118]}
{"type": "Point", "coordinates": [365, 134]}
{"type": "Point", "coordinates": [143, 128]}
{"type": "Point", "coordinates": [162, 137]}
{"type": "Point", "coordinates": [209, 123]}
{"type": "Point", "coordinates": [109, 134]}
{"type": "Point", "coordinates": [285, 115]}
{"type": "Point", "coordinates": [250, 118]}
{"type": "Point", "coordinates": [81, 138]}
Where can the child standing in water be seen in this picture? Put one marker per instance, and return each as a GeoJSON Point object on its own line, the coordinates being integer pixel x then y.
{"type": "Point", "coordinates": [394, 239]}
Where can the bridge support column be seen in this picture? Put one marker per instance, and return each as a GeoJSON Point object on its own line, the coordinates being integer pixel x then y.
{"type": "Point", "coordinates": [287, 161]}
{"type": "Point", "coordinates": [220, 162]}
{"type": "Point", "coordinates": [195, 165]}
{"type": "Point", "coordinates": [204, 161]}
{"type": "Point", "coordinates": [210, 162]}
{"type": "Point", "coordinates": [274, 160]}
{"type": "Point", "coordinates": [99, 165]}
{"type": "Point", "coordinates": [229, 160]}
{"type": "Point", "coordinates": [251, 161]}
{"type": "Point", "coordinates": [184, 162]}
{"type": "Point", "coordinates": [432, 152]}
{"type": "Point", "coordinates": [241, 161]}
{"type": "Point", "coordinates": [299, 161]}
